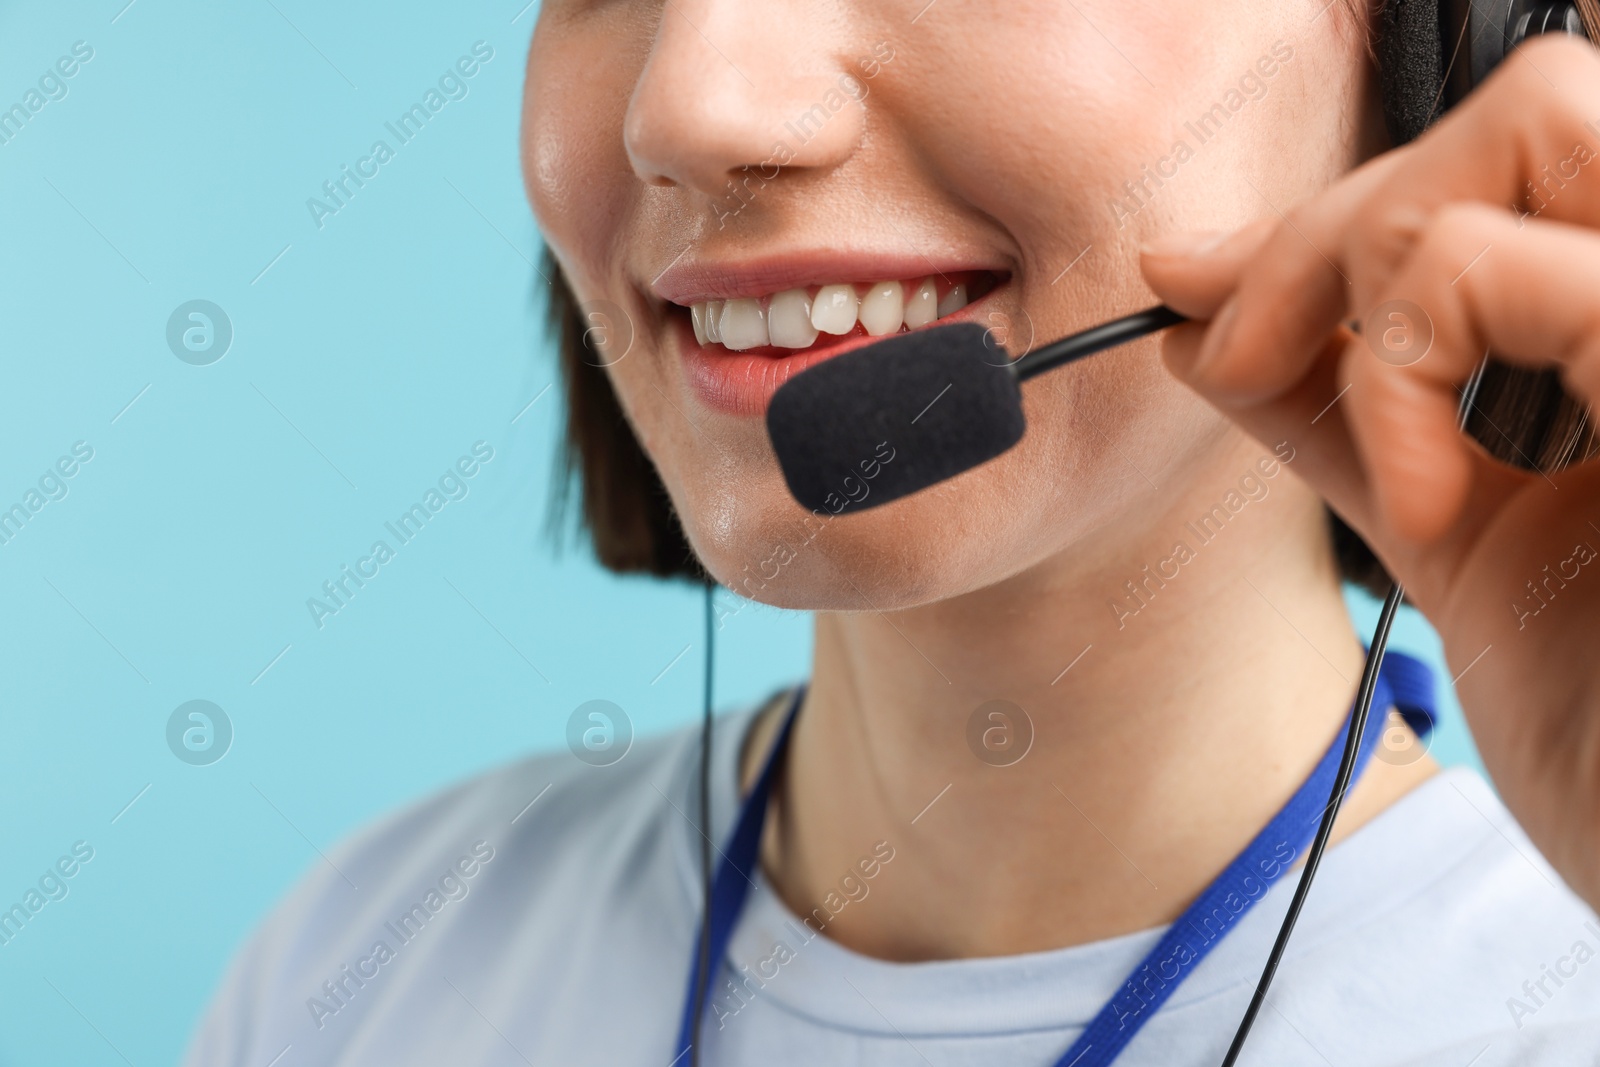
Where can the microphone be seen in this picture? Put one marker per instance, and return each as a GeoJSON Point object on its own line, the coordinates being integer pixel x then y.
{"type": "Point", "coordinates": [903, 414]}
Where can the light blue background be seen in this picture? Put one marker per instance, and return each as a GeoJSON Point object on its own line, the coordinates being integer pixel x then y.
{"type": "Point", "coordinates": [368, 355]}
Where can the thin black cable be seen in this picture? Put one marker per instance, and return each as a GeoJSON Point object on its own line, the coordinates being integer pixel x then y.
{"type": "Point", "coordinates": [1352, 744]}
{"type": "Point", "coordinates": [1096, 339]}
{"type": "Point", "coordinates": [705, 829]}
{"type": "Point", "coordinates": [1347, 763]}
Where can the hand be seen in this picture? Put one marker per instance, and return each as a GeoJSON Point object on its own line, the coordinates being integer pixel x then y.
{"type": "Point", "coordinates": [1505, 563]}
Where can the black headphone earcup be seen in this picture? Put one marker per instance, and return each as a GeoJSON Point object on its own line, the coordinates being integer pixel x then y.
{"type": "Point", "coordinates": [1409, 47]}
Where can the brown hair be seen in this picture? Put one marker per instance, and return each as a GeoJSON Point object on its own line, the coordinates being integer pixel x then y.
{"type": "Point", "coordinates": [625, 510]}
{"type": "Point", "coordinates": [1521, 417]}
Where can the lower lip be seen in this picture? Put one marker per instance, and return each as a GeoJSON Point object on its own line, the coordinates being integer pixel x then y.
{"type": "Point", "coordinates": [742, 383]}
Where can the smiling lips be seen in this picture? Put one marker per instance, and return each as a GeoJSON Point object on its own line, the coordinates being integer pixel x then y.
{"type": "Point", "coordinates": [738, 350]}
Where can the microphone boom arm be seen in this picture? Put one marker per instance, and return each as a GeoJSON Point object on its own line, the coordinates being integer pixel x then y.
{"type": "Point", "coordinates": [1096, 339]}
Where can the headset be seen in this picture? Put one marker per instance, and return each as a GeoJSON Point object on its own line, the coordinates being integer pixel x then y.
{"type": "Point", "coordinates": [1429, 55]}
{"type": "Point", "coordinates": [1432, 53]}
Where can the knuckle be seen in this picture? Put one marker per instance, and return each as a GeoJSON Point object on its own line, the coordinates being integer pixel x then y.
{"type": "Point", "coordinates": [1395, 224]}
{"type": "Point", "coordinates": [1296, 252]}
{"type": "Point", "coordinates": [1458, 234]}
{"type": "Point", "coordinates": [1387, 223]}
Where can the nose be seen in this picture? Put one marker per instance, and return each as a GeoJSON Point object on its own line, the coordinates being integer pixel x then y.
{"type": "Point", "coordinates": [732, 86]}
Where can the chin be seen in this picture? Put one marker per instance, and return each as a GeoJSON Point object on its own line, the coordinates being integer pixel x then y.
{"type": "Point", "coordinates": [918, 550]}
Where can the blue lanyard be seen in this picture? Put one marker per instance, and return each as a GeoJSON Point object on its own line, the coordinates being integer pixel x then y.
{"type": "Point", "coordinates": [1403, 682]}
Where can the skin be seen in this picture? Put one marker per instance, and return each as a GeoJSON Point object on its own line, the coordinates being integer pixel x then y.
{"type": "Point", "coordinates": [1177, 731]}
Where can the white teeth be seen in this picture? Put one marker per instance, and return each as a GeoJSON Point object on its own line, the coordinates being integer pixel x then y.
{"type": "Point", "coordinates": [953, 301]}
{"type": "Point", "coordinates": [743, 324]}
{"type": "Point", "coordinates": [794, 318]}
{"type": "Point", "coordinates": [789, 319]}
{"type": "Point", "coordinates": [922, 305]}
{"type": "Point", "coordinates": [712, 321]}
{"type": "Point", "coordinates": [834, 309]}
{"type": "Point", "coordinates": [883, 309]}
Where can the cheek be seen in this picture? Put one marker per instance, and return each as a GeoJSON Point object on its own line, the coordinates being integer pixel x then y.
{"type": "Point", "coordinates": [1064, 115]}
{"type": "Point", "coordinates": [1073, 103]}
{"type": "Point", "coordinates": [574, 166]}
{"type": "Point", "coordinates": [1118, 440]}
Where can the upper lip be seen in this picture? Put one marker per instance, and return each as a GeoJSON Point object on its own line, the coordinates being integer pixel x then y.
{"type": "Point", "coordinates": [690, 280]}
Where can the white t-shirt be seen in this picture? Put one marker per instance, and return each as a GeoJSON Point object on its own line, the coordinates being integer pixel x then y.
{"type": "Point", "coordinates": [545, 913]}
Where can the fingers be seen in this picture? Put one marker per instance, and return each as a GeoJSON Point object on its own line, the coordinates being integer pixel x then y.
{"type": "Point", "coordinates": [1478, 236]}
{"type": "Point", "coordinates": [1478, 281]}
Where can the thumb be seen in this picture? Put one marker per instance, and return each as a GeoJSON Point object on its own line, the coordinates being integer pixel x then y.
{"type": "Point", "coordinates": [1194, 273]}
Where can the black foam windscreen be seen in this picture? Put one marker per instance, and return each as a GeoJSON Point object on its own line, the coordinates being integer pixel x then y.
{"type": "Point", "coordinates": [894, 417]}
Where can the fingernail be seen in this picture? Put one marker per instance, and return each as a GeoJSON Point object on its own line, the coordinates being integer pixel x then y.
{"type": "Point", "coordinates": [1188, 245]}
{"type": "Point", "coordinates": [1216, 338]}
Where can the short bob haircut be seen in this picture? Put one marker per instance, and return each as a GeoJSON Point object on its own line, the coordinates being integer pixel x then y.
{"type": "Point", "coordinates": [1521, 417]}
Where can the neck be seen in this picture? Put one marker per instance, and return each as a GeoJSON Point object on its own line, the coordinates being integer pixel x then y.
{"type": "Point", "coordinates": [1162, 740]}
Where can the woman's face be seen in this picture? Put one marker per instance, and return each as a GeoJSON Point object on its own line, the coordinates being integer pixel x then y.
{"type": "Point", "coordinates": [769, 173]}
